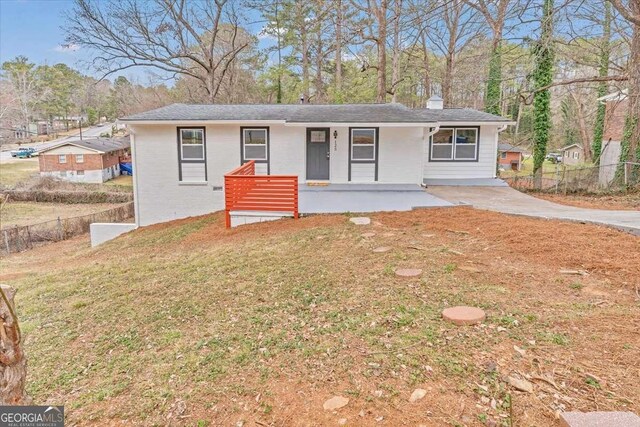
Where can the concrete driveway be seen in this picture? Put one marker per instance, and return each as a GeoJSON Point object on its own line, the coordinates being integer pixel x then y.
{"type": "Point", "coordinates": [510, 201]}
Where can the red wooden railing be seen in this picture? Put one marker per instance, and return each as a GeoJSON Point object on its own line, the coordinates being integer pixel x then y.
{"type": "Point", "coordinates": [246, 191]}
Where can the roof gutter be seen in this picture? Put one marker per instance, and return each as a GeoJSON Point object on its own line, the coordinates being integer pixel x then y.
{"type": "Point", "coordinates": [361, 124]}
{"type": "Point", "coordinates": [199, 122]}
{"type": "Point", "coordinates": [462, 123]}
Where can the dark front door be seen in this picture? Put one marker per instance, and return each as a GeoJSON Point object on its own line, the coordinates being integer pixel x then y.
{"type": "Point", "coordinates": [318, 153]}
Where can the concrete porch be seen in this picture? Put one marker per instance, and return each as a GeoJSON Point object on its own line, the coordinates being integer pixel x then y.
{"type": "Point", "coordinates": [339, 198]}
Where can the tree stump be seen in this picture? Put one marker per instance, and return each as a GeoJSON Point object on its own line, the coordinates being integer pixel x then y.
{"type": "Point", "coordinates": [13, 363]}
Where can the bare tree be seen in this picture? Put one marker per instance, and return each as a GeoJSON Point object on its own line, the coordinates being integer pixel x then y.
{"type": "Point", "coordinates": [630, 151]}
{"type": "Point", "coordinates": [451, 35]}
{"type": "Point", "coordinates": [22, 77]}
{"type": "Point", "coordinates": [495, 14]}
{"type": "Point", "coordinates": [396, 52]}
{"type": "Point", "coordinates": [178, 37]}
{"type": "Point", "coordinates": [375, 19]}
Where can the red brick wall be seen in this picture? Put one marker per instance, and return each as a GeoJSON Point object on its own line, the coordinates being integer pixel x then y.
{"type": "Point", "coordinates": [614, 120]}
{"type": "Point", "coordinates": [511, 156]}
{"type": "Point", "coordinates": [49, 162]}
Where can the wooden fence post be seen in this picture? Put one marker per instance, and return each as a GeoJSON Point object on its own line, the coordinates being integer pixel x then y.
{"type": "Point", "coordinates": [6, 241]}
{"type": "Point", "coordinates": [29, 237]}
{"type": "Point", "coordinates": [59, 229]}
{"type": "Point", "coordinates": [13, 363]}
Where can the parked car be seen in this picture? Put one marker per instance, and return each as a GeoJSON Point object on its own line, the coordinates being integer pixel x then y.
{"type": "Point", "coordinates": [23, 153]}
{"type": "Point", "coordinates": [554, 157]}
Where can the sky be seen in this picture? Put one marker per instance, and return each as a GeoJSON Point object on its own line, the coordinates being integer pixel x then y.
{"type": "Point", "coordinates": [32, 28]}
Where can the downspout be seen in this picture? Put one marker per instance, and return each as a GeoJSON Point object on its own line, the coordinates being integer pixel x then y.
{"type": "Point", "coordinates": [426, 134]}
{"type": "Point", "coordinates": [134, 166]}
{"type": "Point", "coordinates": [498, 130]}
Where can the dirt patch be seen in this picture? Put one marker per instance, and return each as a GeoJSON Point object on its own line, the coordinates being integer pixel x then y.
{"type": "Point", "coordinates": [630, 201]}
{"type": "Point", "coordinates": [189, 323]}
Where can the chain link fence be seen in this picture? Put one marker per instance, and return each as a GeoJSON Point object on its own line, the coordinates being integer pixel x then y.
{"type": "Point", "coordinates": [21, 238]}
{"type": "Point", "coordinates": [590, 179]}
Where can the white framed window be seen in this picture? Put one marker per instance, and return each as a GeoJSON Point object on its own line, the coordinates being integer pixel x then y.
{"type": "Point", "coordinates": [192, 163]}
{"type": "Point", "coordinates": [62, 158]}
{"type": "Point", "coordinates": [442, 144]}
{"type": "Point", "coordinates": [363, 144]}
{"type": "Point", "coordinates": [191, 144]}
{"type": "Point", "coordinates": [455, 144]}
{"type": "Point", "coordinates": [254, 144]}
{"type": "Point", "coordinates": [79, 158]}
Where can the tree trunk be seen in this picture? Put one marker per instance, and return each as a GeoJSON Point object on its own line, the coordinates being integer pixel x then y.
{"type": "Point", "coordinates": [319, 84]}
{"type": "Point", "coordinates": [494, 80]}
{"type": "Point", "coordinates": [395, 61]}
{"type": "Point", "coordinates": [338, 57]}
{"type": "Point", "coordinates": [605, 54]}
{"type": "Point", "coordinates": [381, 43]}
{"type": "Point", "coordinates": [426, 80]}
{"type": "Point", "coordinates": [13, 362]}
{"type": "Point", "coordinates": [582, 128]}
{"type": "Point", "coordinates": [630, 144]}
{"type": "Point", "coordinates": [633, 113]}
{"type": "Point", "coordinates": [446, 80]}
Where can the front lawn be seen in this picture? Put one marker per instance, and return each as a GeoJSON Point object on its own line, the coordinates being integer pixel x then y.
{"type": "Point", "coordinates": [14, 172]}
{"type": "Point", "coordinates": [188, 323]}
{"type": "Point", "coordinates": [26, 213]}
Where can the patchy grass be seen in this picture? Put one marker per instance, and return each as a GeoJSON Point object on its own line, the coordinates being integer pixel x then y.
{"type": "Point", "coordinates": [121, 181]}
{"type": "Point", "coordinates": [25, 213]}
{"type": "Point", "coordinates": [189, 323]}
{"type": "Point", "coordinates": [17, 171]}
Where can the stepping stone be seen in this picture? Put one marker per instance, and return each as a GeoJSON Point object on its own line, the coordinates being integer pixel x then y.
{"type": "Point", "coordinates": [368, 235]}
{"type": "Point", "coordinates": [336, 402]}
{"type": "Point", "coordinates": [408, 272]}
{"type": "Point", "coordinates": [599, 419]}
{"type": "Point", "coordinates": [463, 315]}
{"type": "Point", "coordinates": [382, 249]}
{"type": "Point", "coordinates": [417, 394]}
{"type": "Point", "coordinates": [361, 220]}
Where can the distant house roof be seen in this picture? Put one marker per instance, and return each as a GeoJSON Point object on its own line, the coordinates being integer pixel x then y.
{"type": "Point", "coordinates": [311, 113]}
{"type": "Point", "coordinates": [571, 146]}
{"type": "Point", "coordinates": [509, 147]}
{"type": "Point", "coordinates": [100, 145]}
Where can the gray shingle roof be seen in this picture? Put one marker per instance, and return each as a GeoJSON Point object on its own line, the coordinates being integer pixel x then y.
{"type": "Point", "coordinates": [105, 145]}
{"type": "Point", "coordinates": [295, 113]}
{"type": "Point", "coordinates": [509, 147]}
{"type": "Point", "coordinates": [312, 113]}
{"type": "Point", "coordinates": [460, 115]}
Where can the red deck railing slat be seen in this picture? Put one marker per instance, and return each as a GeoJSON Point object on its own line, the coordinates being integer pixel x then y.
{"type": "Point", "coordinates": [246, 191]}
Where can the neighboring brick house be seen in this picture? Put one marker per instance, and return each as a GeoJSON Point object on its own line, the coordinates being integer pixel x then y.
{"type": "Point", "coordinates": [617, 104]}
{"type": "Point", "coordinates": [572, 154]}
{"type": "Point", "coordinates": [90, 160]}
{"type": "Point", "coordinates": [510, 157]}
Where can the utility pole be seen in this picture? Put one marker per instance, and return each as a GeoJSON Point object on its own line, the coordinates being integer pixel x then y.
{"type": "Point", "coordinates": [80, 122]}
